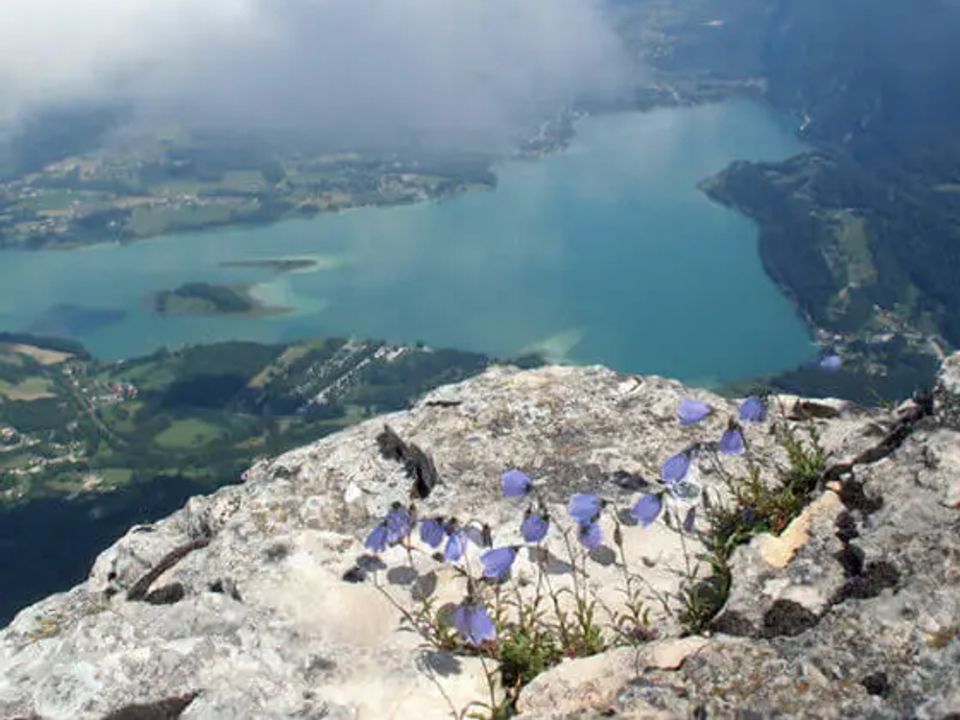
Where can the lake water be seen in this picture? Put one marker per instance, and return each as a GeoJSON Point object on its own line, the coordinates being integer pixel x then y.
{"type": "Point", "coordinates": [604, 253]}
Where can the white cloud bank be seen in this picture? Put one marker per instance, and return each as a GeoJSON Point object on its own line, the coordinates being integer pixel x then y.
{"type": "Point", "coordinates": [469, 69]}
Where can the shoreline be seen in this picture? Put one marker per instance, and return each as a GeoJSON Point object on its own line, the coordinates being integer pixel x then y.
{"type": "Point", "coordinates": [560, 143]}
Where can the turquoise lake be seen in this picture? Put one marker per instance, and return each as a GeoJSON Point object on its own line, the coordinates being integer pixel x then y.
{"type": "Point", "coordinates": [604, 253]}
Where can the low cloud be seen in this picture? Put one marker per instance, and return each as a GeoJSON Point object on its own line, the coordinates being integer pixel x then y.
{"type": "Point", "coordinates": [459, 71]}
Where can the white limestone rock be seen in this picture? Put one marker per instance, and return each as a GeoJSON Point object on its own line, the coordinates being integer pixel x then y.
{"type": "Point", "coordinates": [245, 611]}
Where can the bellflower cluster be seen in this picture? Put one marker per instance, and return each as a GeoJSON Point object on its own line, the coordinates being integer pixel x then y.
{"type": "Point", "coordinates": [471, 618]}
{"type": "Point", "coordinates": [535, 524]}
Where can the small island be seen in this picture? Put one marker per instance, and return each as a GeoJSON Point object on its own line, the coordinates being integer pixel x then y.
{"type": "Point", "coordinates": [200, 298]}
{"type": "Point", "coordinates": [277, 265]}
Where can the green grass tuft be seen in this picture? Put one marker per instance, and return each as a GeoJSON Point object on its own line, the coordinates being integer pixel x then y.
{"type": "Point", "coordinates": [756, 509]}
{"type": "Point", "coordinates": [524, 654]}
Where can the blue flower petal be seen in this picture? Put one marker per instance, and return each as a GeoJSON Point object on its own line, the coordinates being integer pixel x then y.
{"type": "Point", "coordinates": [731, 442]}
{"type": "Point", "coordinates": [515, 483]}
{"type": "Point", "coordinates": [692, 411]}
{"type": "Point", "coordinates": [675, 468]}
{"type": "Point", "coordinates": [584, 507]}
{"type": "Point", "coordinates": [399, 524]}
{"type": "Point", "coordinates": [534, 527]}
{"type": "Point", "coordinates": [461, 620]}
{"type": "Point", "coordinates": [591, 536]}
{"type": "Point", "coordinates": [497, 562]}
{"type": "Point", "coordinates": [432, 532]}
{"type": "Point", "coordinates": [481, 626]}
{"type": "Point", "coordinates": [474, 624]}
{"type": "Point", "coordinates": [647, 509]}
{"type": "Point", "coordinates": [753, 410]}
{"type": "Point", "coordinates": [456, 545]}
{"type": "Point", "coordinates": [377, 539]}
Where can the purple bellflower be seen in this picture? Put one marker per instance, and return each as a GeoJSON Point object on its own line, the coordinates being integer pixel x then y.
{"type": "Point", "coordinates": [591, 536]}
{"type": "Point", "coordinates": [515, 483]}
{"type": "Point", "coordinates": [675, 468]}
{"type": "Point", "coordinates": [377, 539]}
{"type": "Point", "coordinates": [456, 543]}
{"type": "Point", "coordinates": [432, 532]}
{"type": "Point", "coordinates": [399, 524]}
{"type": "Point", "coordinates": [731, 442]}
{"type": "Point", "coordinates": [753, 410]}
{"type": "Point", "coordinates": [647, 509]}
{"type": "Point", "coordinates": [474, 624]}
{"type": "Point", "coordinates": [497, 562]}
{"type": "Point", "coordinates": [584, 507]}
{"type": "Point", "coordinates": [692, 411]}
{"type": "Point", "coordinates": [534, 527]}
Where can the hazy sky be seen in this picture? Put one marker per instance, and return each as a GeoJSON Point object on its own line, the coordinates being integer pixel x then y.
{"type": "Point", "coordinates": [354, 68]}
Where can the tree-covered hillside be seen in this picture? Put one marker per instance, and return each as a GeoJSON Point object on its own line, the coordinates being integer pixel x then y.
{"type": "Point", "coordinates": [867, 228]}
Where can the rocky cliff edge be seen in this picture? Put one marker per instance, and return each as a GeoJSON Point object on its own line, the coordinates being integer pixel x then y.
{"type": "Point", "coordinates": [260, 600]}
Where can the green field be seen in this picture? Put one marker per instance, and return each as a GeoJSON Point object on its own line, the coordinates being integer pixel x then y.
{"type": "Point", "coordinates": [31, 388]}
{"type": "Point", "coordinates": [122, 418]}
{"type": "Point", "coordinates": [114, 477]}
{"type": "Point", "coordinates": [154, 220]}
{"type": "Point", "coordinates": [188, 434]}
{"type": "Point", "coordinates": [56, 200]}
{"type": "Point", "coordinates": [243, 181]}
{"type": "Point", "coordinates": [854, 246]}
